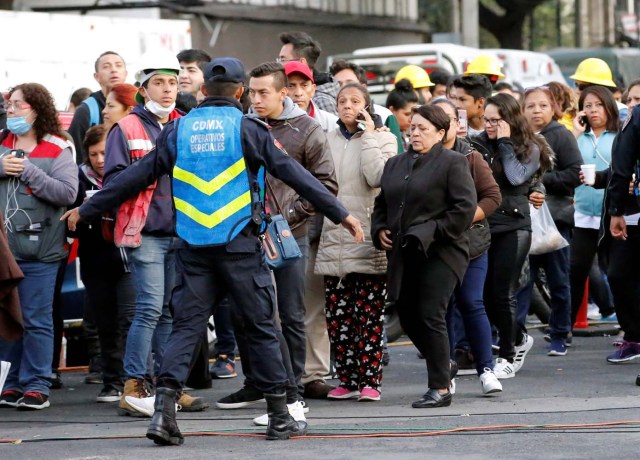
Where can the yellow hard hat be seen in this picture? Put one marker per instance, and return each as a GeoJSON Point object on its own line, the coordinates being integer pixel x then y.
{"type": "Point", "coordinates": [485, 64]}
{"type": "Point", "coordinates": [418, 77]}
{"type": "Point", "coordinates": [594, 70]}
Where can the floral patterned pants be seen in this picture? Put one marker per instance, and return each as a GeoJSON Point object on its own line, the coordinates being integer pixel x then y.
{"type": "Point", "coordinates": [355, 313]}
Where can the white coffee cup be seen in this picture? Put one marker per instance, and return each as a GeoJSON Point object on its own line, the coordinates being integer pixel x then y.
{"type": "Point", "coordinates": [589, 172]}
{"type": "Point", "coordinates": [90, 193]}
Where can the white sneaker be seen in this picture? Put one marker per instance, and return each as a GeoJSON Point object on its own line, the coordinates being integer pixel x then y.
{"type": "Point", "coordinates": [452, 387]}
{"type": "Point", "coordinates": [504, 369]}
{"type": "Point", "coordinates": [593, 312]}
{"type": "Point", "coordinates": [521, 352]}
{"type": "Point", "coordinates": [296, 410]}
{"type": "Point", "coordinates": [490, 383]}
{"type": "Point", "coordinates": [144, 405]}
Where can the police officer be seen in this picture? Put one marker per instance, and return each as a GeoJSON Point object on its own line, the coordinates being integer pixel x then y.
{"type": "Point", "coordinates": [622, 205]}
{"type": "Point", "coordinates": [215, 156]}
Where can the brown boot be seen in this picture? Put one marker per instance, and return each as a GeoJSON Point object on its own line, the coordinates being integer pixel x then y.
{"type": "Point", "coordinates": [135, 388]}
{"type": "Point", "coordinates": [188, 403]}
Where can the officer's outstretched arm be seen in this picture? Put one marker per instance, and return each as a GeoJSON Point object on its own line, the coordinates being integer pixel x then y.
{"type": "Point", "coordinates": [353, 225]}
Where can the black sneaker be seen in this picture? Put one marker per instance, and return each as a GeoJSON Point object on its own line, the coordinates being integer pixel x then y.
{"type": "Point", "coordinates": [33, 401]}
{"type": "Point", "coordinates": [567, 342]}
{"type": "Point", "coordinates": [465, 361]}
{"type": "Point", "coordinates": [109, 393]}
{"type": "Point", "coordinates": [10, 398]}
{"type": "Point", "coordinates": [244, 397]}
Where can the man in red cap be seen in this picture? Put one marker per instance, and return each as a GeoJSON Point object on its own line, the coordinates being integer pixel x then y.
{"type": "Point", "coordinates": [302, 88]}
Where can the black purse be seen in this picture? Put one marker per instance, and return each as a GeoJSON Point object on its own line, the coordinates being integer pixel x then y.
{"type": "Point", "coordinates": [279, 245]}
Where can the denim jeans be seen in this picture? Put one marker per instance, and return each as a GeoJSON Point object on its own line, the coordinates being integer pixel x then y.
{"type": "Point", "coordinates": [31, 356]}
{"type": "Point", "coordinates": [153, 268]}
{"type": "Point", "coordinates": [468, 300]}
{"type": "Point", "coordinates": [556, 266]}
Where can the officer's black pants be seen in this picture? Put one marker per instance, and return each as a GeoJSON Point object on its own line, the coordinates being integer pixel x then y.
{"type": "Point", "coordinates": [204, 276]}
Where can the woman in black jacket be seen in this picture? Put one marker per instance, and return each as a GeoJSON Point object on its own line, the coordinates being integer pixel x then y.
{"type": "Point", "coordinates": [110, 289]}
{"type": "Point", "coordinates": [426, 204]}
{"type": "Point", "coordinates": [515, 154]}
{"type": "Point", "coordinates": [542, 112]}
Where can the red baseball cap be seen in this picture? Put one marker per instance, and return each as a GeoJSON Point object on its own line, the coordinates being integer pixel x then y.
{"type": "Point", "coordinates": [298, 67]}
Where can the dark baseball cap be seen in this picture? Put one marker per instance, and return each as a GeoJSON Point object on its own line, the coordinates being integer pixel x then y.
{"type": "Point", "coordinates": [225, 69]}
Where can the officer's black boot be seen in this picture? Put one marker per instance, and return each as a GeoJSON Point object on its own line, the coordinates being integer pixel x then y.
{"type": "Point", "coordinates": [281, 424]}
{"type": "Point", "coordinates": [163, 428]}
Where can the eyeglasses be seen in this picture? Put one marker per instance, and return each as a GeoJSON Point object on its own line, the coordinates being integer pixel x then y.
{"type": "Point", "coordinates": [583, 86]}
{"type": "Point", "coordinates": [16, 105]}
{"type": "Point", "coordinates": [491, 121]}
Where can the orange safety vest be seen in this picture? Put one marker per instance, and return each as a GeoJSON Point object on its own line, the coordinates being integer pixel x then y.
{"type": "Point", "coordinates": [132, 214]}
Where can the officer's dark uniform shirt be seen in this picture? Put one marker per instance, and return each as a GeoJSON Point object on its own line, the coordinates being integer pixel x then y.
{"type": "Point", "coordinates": [260, 150]}
{"type": "Point", "coordinates": [625, 153]}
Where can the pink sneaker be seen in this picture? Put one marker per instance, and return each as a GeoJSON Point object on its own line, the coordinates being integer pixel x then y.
{"type": "Point", "coordinates": [342, 393]}
{"type": "Point", "coordinates": [369, 394]}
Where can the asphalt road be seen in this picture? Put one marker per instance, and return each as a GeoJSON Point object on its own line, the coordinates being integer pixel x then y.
{"type": "Point", "coordinates": [592, 403]}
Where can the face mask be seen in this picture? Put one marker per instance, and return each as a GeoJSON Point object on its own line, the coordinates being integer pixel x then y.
{"type": "Point", "coordinates": [18, 125]}
{"type": "Point", "coordinates": [157, 109]}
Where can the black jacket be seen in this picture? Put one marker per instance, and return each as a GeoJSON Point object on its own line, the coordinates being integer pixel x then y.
{"type": "Point", "coordinates": [260, 150]}
{"type": "Point", "coordinates": [513, 213]}
{"type": "Point", "coordinates": [560, 183]}
{"type": "Point", "coordinates": [96, 254]}
{"type": "Point", "coordinates": [625, 156]}
{"type": "Point", "coordinates": [428, 202]}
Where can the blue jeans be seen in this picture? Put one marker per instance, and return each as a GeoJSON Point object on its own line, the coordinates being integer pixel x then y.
{"type": "Point", "coordinates": [153, 268]}
{"type": "Point", "coordinates": [468, 300]}
{"type": "Point", "coordinates": [556, 267]}
{"type": "Point", "coordinates": [31, 356]}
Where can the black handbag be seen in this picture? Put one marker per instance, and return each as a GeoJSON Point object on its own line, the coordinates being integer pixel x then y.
{"type": "Point", "coordinates": [280, 247]}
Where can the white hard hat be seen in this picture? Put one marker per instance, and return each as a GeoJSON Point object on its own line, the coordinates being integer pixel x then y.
{"type": "Point", "coordinates": [155, 62]}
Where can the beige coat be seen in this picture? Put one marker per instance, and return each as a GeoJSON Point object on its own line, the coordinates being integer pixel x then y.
{"type": "Point", "coordinates": [358, 163]}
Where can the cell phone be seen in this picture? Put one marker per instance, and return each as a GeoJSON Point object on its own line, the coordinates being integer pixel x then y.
{"type": "Point", "coordinates": [19, 153]}
{"type": "Point", "coordinates": [584, 121]}
{"type": "Point", "coordinates": [462, 118]}
{"type": "Point", "coordinates": [361, 117]}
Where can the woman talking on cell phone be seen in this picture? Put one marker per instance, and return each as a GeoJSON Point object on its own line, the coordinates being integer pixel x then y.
{"type": "Point", "coordinates": [515, 155]}
{"type": "Point", "coordinates": [36, 185]}
{"type": "Point", "coordinates": [595, 126]}
{"type": "Point", "coordinates": [354, 274]}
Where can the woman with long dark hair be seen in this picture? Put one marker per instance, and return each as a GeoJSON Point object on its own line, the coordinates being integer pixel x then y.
{"type": "Point", "coordinates": [515, 155]}
{"type": "Point", "coordinates": [595, 127]}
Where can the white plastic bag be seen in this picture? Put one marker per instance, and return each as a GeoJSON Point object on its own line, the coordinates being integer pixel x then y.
{"type": "Point", "coordinates": [545, 236]}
